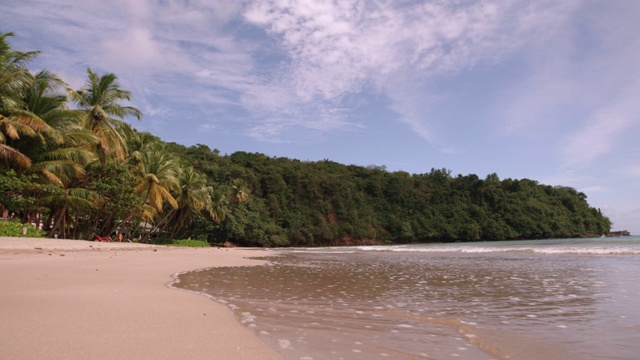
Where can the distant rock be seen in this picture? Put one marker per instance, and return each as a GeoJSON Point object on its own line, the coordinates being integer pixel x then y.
{"type": "Point", "coordinates": [619, 233]}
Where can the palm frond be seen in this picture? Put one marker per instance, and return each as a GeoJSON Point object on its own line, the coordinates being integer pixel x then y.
{"type": "Point", "coordinates": [14, 157]}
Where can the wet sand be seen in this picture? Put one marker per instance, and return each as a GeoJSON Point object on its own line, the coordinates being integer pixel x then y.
{"type": "Point", "coordinates": [70, 299]}
{"type": "Point", "coordinates": [562, 302]}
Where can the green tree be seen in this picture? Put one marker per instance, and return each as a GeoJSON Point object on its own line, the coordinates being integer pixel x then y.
{"type": "Point", "coordinates": [14, 123]}
{"type": "Point", "coordinates": [101, 99]}
{"type": "Point", "coordinates": [193, 198]}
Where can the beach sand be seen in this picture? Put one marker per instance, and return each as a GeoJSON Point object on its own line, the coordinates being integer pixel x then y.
{"type": "Point", "coordinates": [71, 299]}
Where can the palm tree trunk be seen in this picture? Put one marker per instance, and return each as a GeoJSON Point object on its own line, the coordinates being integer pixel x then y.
{"type": "Point", "coordinates": [158, 224]}
{"type": "Point", "coordinates": [58, 220]}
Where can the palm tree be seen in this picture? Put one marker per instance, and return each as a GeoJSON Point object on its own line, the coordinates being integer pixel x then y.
{"type": "Point", "coordinates": [13, 73]}
{"type": "Point", "coordinates": [100, 99]}
{"type": "Point", "coordinates": [59, 154]}
{"type": "Point", "coordinates": [159, 172]}
{"type": "Point", "coordinates": [240, 191]}
{"type": "Point", "coordinates": [193, 198]}
{"type": "Point", "coordinates": [66, 203]}
{"type": "Point", "coordinates": [219, 206]}
{"type": "Point", "coordinates": [160, 175]}
{"type": "Point", "coordinates": [14, 76]}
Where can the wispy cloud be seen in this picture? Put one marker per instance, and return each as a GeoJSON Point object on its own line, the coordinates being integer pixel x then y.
{"type": "Point", "coordinates": [336, 48]}
{"type": "Point", "coordinates": [583, 95]}
{"type": "Point", "coordinates": [599, 135]}
{"type": "Point", "coordinates": [324, 51]}
{"type": "Point", "coordinates": [328, 50]}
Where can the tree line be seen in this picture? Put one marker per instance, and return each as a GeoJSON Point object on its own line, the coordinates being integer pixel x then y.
{"type": "Point", "coordinates": [298, 203]}
{"type": "Point", "coordinates": [68, 159]}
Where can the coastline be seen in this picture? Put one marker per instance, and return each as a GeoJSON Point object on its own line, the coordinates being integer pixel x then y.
{"type": "Point", "coordinates": [73, 299]}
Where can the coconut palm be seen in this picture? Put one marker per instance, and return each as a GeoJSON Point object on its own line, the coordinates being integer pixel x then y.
{"type": "Point", "coordinates": [219, 206]}
{"type": "Point", "coordinates": [60, 153]}
{"type": "Point", "coordinates": [64, 204]}
{"type": "Point", "coordinates": [13, 73]}
{"type": "Point", "coordinates": [100, 98]}
{"type": "Point", "coordinates": [14, 76]}
{"type": "Point", "coordinates": [160, 172]}
{"type": "Point", "coordinates": [193, 198]}
{"type": "Point", "coordinates": [240, 191]}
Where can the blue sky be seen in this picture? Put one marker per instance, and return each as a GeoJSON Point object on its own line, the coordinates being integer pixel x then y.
{"type": "Point", "coordinates": [545, 90]}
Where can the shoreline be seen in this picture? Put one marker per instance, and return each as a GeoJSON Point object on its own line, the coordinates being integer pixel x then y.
{"type": "Point", "coordinates": [75, 299]}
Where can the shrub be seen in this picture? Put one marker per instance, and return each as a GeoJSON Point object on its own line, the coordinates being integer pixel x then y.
{"type": "Point", "coordinates": [14, 229]}
{"type": "Point", "coordinates": [191, 243]}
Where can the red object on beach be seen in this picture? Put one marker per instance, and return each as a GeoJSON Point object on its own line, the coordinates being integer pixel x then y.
{"type": "Point", "coordinates": [96, 237]}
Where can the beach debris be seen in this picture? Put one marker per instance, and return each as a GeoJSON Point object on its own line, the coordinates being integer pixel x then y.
{"type": "Point", "coordinates": [61, 254]}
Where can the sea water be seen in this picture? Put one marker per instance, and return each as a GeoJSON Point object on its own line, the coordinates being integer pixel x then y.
{"type": "Point", "coordinates": [543, 299]}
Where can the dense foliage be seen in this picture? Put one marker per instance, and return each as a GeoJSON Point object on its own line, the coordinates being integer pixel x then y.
{"type": "Point", "coordinates": [82, 170]}
{"type": "Point", "coordinates": [15, 229]}
{"type": "Point", "coordinates": [326, 203]}
{"type": "Point", "coordinates": [69, 162]}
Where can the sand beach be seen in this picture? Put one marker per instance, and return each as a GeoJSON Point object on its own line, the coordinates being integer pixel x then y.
{"type": "Point", "coordinates": [70, 299]}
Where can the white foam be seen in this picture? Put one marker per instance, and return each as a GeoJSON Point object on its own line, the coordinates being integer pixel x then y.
{"type": "Point", "coordinates": [540, 247]}
{"type": "Point", "coordinates": [285, 344]}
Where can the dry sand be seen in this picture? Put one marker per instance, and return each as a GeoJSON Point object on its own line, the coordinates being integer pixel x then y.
{"type": "Point", "coordinates": [71, 299]}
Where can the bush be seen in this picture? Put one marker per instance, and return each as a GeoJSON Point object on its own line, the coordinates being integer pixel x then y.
{"type": "Point", "coordinates": [191, 243]}
{"type": "Point", "coordinates": [14, 229]}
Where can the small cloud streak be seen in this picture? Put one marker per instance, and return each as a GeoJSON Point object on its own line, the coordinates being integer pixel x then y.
{"type": "Point", "coordinates": [597, 138]}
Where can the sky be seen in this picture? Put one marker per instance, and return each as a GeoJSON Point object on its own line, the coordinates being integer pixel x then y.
{"type": "Point", "coordinates": [547, 90]}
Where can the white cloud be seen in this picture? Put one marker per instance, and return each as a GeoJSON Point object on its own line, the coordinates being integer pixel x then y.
{"type": "Point", "coordinates": [207, 127]}
{"type": "Point", "coordinates": [337, 48]}
{"type": "Point", "coordinates": [598, 136]}
{"type": "Point", "coordinates": [327, 50]}
{"type": "Point", "coordinates": [578, 86]}
{"type": "Point", "coordinates": [609, 88]}
{"type": "Point", "coordinates": [135, 50]}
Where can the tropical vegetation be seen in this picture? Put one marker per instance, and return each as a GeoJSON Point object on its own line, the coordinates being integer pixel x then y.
{"type": "Point", "coordinates": [70, 161]}
{"type": "Point", "coordinates": [16, 229]}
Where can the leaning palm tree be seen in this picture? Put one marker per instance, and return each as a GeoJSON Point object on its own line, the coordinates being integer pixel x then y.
{"type": "Point", "coordinates": [14, 77]}
{"type": "Point", "coordinates": [160, 172]}
{"type": "Point", "coordinates": [13, 72]}
{"type": "Point", "coordinates": [64, 204]}
{"type": "Point", "coordinates": [160, 175]}
{"type": "Point", "coordinates": [60, 153]}
{"type": "Point", "coordinates": [100, 98]}
{"type": "Point", "coordinates": [193, 198]}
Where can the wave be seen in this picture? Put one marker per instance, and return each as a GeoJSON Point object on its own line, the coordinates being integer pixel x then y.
{"type": "Point", "coordinates": [538, 250]}
{"type": "Point", "coordinates": [475, 249]}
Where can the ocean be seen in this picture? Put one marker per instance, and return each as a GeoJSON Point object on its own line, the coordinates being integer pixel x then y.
{"type": "Point", "coordinates": [542, 299]}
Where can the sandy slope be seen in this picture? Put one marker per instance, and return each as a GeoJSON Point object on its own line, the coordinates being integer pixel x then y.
{"type": "Point", "coordinates": [68, 299]}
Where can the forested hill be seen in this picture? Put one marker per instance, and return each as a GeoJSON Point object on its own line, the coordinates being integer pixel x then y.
{"type": "Point", "coordinates": [297, 203]}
